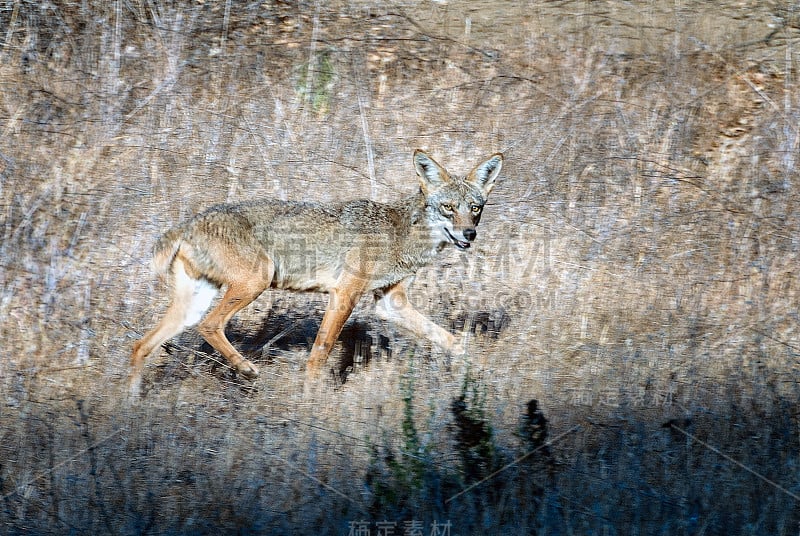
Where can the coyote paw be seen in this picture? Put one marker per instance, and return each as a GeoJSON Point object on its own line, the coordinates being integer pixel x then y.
{"type": "Point", "coordinates": [313, 372]}
{"type": "Point", "coordinates": [458, 350]}
{"type": "Point", "coordinates": [134, 392]}
{"type": "Point", "coordinates": [247, 369]}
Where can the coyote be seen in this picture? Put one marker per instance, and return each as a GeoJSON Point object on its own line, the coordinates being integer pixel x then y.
{"type": "Point", "coordinates": [345, 249]}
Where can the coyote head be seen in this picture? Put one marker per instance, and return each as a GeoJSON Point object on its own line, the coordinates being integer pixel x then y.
{"type": "Point", "coordinates": [454, 204]}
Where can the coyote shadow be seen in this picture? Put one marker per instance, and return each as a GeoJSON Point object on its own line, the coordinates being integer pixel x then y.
{"type": "Point", "coordinates": [282, 332]}
{"type": "Point", "coordinates": [285, 332]}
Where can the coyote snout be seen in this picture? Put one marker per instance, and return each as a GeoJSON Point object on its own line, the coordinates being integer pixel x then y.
{"type": "Point", "coordinates": [346, 249]}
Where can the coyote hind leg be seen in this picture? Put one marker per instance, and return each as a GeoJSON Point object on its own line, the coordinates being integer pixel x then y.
{"type": "Point", "coordinates": [244, 286]}
{"type": "Point", "coordinates": [191, 298]}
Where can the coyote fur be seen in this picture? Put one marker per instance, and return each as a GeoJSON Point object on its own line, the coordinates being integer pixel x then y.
{"type": "Point", "coordinates": [346, 249]}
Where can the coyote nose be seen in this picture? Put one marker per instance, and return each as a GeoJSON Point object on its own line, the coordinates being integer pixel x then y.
{"type": "Point", "coordinates": [470, 234]}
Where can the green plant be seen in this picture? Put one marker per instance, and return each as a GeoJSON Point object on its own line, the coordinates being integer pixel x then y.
{"type": "Point", "coordinates": [315, 80]}
{"type": "Point", "coordinates": [474, 435]}
{"type": "Point", "coordinates": [397, 480]}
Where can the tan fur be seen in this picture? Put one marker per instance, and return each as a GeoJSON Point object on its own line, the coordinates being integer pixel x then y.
{"type": "Point", "coordinates": [345, 249]}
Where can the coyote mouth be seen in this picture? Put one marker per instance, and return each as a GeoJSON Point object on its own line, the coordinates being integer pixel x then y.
{"type": "Point", "coordinates": [460, 244]}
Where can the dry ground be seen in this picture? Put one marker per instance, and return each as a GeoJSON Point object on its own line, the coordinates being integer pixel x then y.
{"type": "Point", "coordinates": [635, 270]}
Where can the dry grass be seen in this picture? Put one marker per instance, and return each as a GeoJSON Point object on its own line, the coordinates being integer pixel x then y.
{"type": "Point", "coordinates": [635, 271]}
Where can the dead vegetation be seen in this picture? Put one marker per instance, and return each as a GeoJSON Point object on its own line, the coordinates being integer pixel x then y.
{"type": "Point", "coordinates": [635, 272]}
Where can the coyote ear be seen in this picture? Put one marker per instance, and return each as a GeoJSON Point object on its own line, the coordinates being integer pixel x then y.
{"type": "Point", "coordinates": [431, 174]}
{"type": "Point", "coordinates": [484, 174]}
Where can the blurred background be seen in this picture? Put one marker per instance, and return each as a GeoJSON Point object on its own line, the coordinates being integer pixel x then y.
{"type": "Point", "coordinates": [630, 305]}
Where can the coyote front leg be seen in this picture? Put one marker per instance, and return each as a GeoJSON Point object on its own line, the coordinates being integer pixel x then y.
{"type": "Point", "coordinates": [342, 299]}
{"type": "Point", "coordinates": [393, 305]}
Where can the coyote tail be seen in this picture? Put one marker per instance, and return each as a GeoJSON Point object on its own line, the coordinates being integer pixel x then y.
{"type": "Point", "coordinates": [165, 250]}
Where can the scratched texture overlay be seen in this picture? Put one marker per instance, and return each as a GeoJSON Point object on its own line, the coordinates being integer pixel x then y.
{"type": "Point", "coordinates": [630, 305]}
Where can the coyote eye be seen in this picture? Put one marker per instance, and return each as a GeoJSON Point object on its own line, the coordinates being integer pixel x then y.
{"type": "Point", "coordinates": [446, 207]}
{"type": "Point", "coordinates": [476, 209]}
